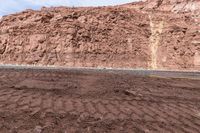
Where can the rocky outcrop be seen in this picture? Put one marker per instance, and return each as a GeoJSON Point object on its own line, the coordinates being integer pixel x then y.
{"type": "Point", "coordinates": [153, 34]}
{"type": "Point", "coordinates": [86, 37]}
{"type": "Point", "coordinates": [175, 28]}
{"type": "Point", "coordinates": [178, 47]}
{"type": "Point", "coordinates": [177, 6]}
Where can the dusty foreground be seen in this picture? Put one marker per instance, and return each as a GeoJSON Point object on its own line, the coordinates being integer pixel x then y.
{"type": "Point", "coordinates": [68, 101]}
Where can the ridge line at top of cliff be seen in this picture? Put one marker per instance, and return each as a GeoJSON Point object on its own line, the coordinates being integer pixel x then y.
{"type": "Point", "coordinates": [157, 5]}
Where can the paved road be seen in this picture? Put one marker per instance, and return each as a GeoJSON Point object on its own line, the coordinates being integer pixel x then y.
{"type": "Point", "coordinates": [139, 72]}
{"type": "Point", "coordinates": [89, 100]}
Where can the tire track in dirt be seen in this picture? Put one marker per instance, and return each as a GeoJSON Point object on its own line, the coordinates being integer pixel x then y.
{"type": "Point", "coordinates": [146, 111]}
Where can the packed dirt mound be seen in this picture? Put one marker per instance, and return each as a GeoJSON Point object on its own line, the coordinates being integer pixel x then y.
{"type": "Point", "coordinates": [151, 34]}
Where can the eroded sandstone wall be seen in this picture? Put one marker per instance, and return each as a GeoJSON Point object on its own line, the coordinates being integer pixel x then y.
{"type": "Point", "coordinates": [130, 36]}
{"type": "Point", "coordinates": [179, 41]}
{"type": "Point", "coordinates": [84, 37]}
{"type": "Point", "coordinates": [179, 46]}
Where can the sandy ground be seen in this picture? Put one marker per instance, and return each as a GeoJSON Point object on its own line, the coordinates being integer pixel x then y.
{"type": "Point", "coordinates": [78, 101]}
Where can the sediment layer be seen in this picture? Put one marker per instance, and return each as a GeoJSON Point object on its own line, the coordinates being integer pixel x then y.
{"type": "Point", "coordinates": [149, 35]}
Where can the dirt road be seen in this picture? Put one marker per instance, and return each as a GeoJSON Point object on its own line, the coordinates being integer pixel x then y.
{"type": "Point", "coordinates": [65, 101]}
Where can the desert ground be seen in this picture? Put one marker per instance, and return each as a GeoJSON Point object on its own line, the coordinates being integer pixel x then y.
{"type": "Point", "coordinates": [110, 101]}
{"type": "Point", "coordinates": [75, 96]}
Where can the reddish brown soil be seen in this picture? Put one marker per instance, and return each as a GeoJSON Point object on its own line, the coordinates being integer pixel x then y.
{"type": "Point", "coordinates": [78, 101]}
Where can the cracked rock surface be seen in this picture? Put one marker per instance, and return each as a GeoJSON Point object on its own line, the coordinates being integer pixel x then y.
{"type": "Point", "coordinates": [151, 34]}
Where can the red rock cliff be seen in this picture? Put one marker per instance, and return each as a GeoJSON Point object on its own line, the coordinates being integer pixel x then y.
{"type": "Point", "coordinates": [153, 34]}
